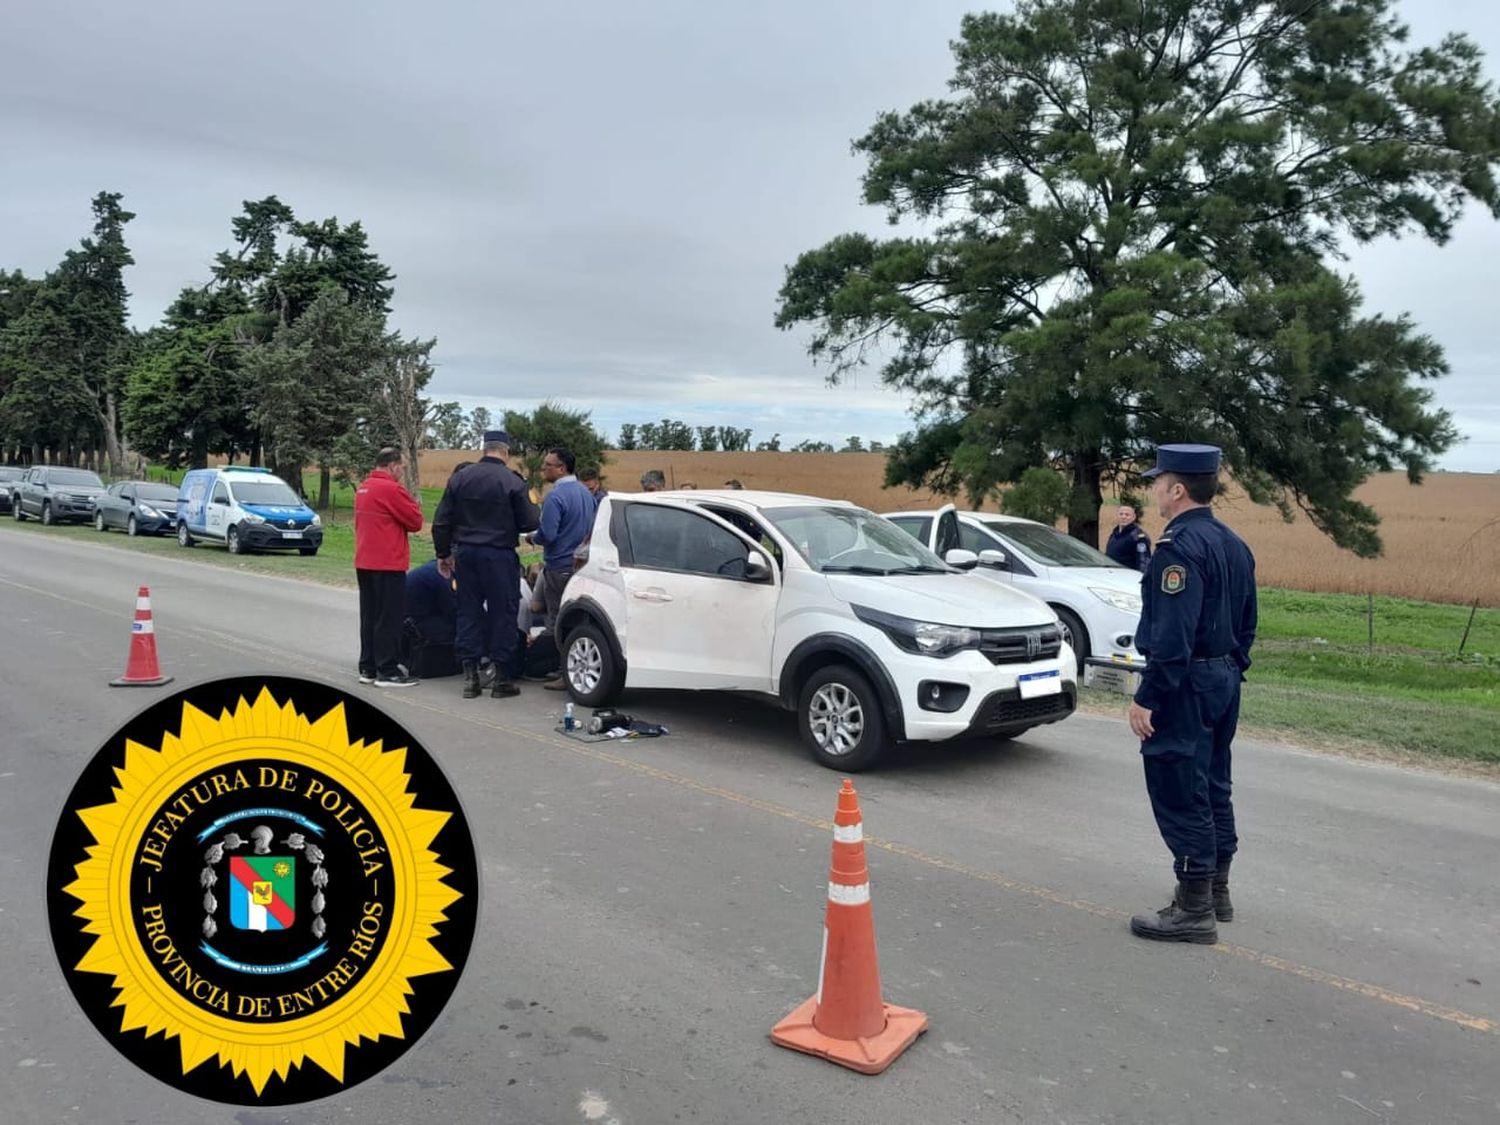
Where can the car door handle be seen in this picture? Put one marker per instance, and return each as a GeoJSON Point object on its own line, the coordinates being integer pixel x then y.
{"type": "Point", "coordinates": [654, 594]}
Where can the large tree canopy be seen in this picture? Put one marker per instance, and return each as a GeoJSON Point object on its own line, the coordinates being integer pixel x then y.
{"type": "Point", "coordinates": [1135, 209]}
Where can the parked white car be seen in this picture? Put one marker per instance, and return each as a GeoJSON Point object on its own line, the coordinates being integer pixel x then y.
{"type": "Point", "coordinates": [862, 631]}
{"type": "Point", "coordinates": [1097, 600]}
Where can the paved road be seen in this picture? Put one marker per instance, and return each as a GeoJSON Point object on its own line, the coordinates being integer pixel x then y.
{"type": "Point", "coordinates": [650, 910]}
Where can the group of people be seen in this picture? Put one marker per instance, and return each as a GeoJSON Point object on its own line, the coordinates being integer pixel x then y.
{"type": "Point", "coordinates": [654, 480]}
{"type": "Point", "coordinates": [1197, 626]}
{"type": "Point", "coordinates": [472, 598]}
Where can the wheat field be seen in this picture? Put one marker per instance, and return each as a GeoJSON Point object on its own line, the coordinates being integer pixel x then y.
{"type": "Point", "coordinates": [1442, 539]}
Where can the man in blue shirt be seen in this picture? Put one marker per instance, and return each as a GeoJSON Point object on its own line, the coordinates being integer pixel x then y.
{"type": "Point", "coordinates": [1129, 545]}
{"type": "Point", "coordinates": [567, 520]}
{"type": "Point", "coordinates": [1198, 622]}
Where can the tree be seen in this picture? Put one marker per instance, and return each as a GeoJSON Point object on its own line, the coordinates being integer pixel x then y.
{"type": "Point", "coordinates": [733, 440]}
{"type": "Point", "coordinates": [1041, 494]}
{"type": "Point", "coordinates": [1134, 208]}
{"type": "Point", "coordinates": [315, 382]}
{"type": "Point", "coordinates": [669, 433]}
{"type": "Point", "coordinates": [551, 425]}
{"type": "Point", "coordinates": [771, 445]}
{"type": "Point", "coordinates": [447, 428]}
{"type": "Point", "coordinates": [397, 414]}
{"type": "Point", "coordinates": [627, 436]}
{"type": "Point", "coordinates": [479, 424]}
{"type": "Point", "coordinates": [811, 446]}
{"type": "Point", "coordinates": [854, 444]}
{"type": "Point", "coordinates": [877, 447]}
{"type": "Point", "coordinates": [708, 439]}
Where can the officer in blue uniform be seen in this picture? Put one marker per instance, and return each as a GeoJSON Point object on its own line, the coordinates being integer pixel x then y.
{"type": "Point", "coordinates": [483, 512]}
{"type": "Point", "coordinates": [1197, 625]}
{"type": "Point", "coordinates": [1129, 545]}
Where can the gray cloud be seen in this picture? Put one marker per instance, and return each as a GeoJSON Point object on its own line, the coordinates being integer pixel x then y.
{"type": "Point", "coordinates": [594, 201]}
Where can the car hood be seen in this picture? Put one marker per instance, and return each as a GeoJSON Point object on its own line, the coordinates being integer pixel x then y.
{"type": "Point", "coordinates": [1109, 577]}
{"type": "Point", "coordinates": [947, 599]}
{"type": "Point", "coordinates": [279, 512]}
{"type": "Point", "coordinates": [82, 491]}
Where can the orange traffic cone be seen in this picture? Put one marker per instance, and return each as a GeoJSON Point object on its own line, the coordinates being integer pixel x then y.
{"type": "Point", "coordinates": [846, 1021]}
{"type": "Point", "coordinates": [142, 670]}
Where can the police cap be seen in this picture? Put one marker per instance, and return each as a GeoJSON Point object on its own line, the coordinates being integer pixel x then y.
{"type": "Point", "coordinates": [496, 437]}
{"type": "Point", "coordinates": [1190, 460]}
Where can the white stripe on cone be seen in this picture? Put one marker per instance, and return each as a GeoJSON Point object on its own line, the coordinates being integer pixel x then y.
{"type": "Point", "coordinates": [840, 895]}
{"type": "Point", "coordinates": [143, 604]}
{"type": "Point", "coordinates": [822, 964]}
{"type": "Point", "coordinates": [142, 627]}
{"type": "Point", "coordinates": [848, 833]}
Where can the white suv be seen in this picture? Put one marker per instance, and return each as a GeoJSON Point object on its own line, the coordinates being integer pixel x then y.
{"type": "Point", "coordinates": [1097, 600]}
{"type": "Point", "coordinates": [864, 632]}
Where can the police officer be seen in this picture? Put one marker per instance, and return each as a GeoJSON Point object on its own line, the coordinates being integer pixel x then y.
{"type": "Point", "coordinates": [1129, 545]}
{"type": "Point", "coordinates": [1197, 625]}
{"type": "Point", "coordinates": [481, 516]}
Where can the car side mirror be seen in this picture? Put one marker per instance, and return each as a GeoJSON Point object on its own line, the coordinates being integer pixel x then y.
{"type": "Point", "coordinates": [964, 560]}
{"type": "Point", "coordinates": [757, 567]}
{"type": "Point", "coordinates": [994, 559]}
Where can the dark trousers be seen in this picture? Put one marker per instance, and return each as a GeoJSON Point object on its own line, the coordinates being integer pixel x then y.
{"type": "Point", "coordinates": [382, 601]}
{"type": "Point", "coordinates": [1188, 769]}
{"type": "Point", "coordinates": [489, 597]}
{"type": "Point", "coordinates": [554, 583]}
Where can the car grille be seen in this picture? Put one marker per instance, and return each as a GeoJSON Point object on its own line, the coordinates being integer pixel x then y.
{"type": "Point", "coordinates": [1007, 708]}
{"type": "Point", "coordinates": [1020, 646]}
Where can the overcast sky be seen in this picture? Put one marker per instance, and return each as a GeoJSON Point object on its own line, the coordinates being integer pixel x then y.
{"type": "Point", "coordinates": [590, 201]}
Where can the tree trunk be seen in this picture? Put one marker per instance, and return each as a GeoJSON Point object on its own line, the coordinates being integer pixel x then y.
{"type": "Point", "coordinates": [109, 418]}
{"type": "Point", "coordinates": [200, 448]}
{"type": "Point", "coordinates": [325, 475]}
{"type": "Point", "coordinates": [1088, 495]}
{"type": "Point", "coordinates": [255, 449]}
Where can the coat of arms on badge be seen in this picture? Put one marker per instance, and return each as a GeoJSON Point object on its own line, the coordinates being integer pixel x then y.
{"type": "Point", "coordinates": [1174, 579]}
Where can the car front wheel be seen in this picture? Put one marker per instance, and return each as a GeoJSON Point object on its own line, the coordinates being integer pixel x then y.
{"type": "Point", "coordinates": [232, 541]}
{"type": "Point", "coordinates": [589, 666]}
{"type": "Point", "coordinates": [839, 715]}
{"type": "Point", "coordinates": [46, 515]}
{"type": "Point", "coordinates": [1074, 635]}
{"type": "Point", "coordinates": [99, 521]}
{"type": "Point", "coordinates": [184, 539]}
{"type": "Point", "coordinates": [131, 527]}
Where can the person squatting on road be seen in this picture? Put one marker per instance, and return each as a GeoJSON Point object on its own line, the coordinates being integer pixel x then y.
{"type": "Point", "coordinates": [567, 520]}
{"type": "Point", "coordinates": [1129, 545]}
{"type": "Point", "coordinates": [479, 521]}
{"type": "Point", "coordinates": [1197, 626]}
{"type": "Point", "coordinates": [384, 513]}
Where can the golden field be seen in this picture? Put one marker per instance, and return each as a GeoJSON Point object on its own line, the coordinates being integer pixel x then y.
{"type": "Point", "coordinates": [1442, 539]}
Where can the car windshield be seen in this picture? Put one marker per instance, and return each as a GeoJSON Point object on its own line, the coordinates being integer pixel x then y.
{"type": "Point", "coordinates": [80, 477]}
{"type": "Point", "coordinates": [11, 474]}
{"type": "Point", "coordinates": [272, 493]}
{"type": "Point", "coordinates": [1049, 546]}
{"type": "Point", "coordinates": [853, 541]}
{"type": "Point", "coordinates": [156, 493]}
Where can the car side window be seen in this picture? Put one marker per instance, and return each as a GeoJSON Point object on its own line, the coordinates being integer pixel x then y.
{"type": "Point", "coordinates": [752, 529]}
{"type": "Point", "coordinates": [221, 493]}
{"type": "Point", "coordinates": [947, 534]}
{"type": "Point", "coordinates": [915, 526]}
{"type": "Point", "coordinates": [671, 539]}
{"type": "Point", "coordinates": [970, 538]}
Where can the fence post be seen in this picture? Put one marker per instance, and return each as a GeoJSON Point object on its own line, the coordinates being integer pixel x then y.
{"type": "Point", "coordinates": [1473, 609]}
{"type": "Point", "coordinates": [1371, 612]}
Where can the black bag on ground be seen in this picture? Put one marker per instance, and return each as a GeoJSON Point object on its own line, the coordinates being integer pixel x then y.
{"type": "Point", "coordinates": [427, 660]}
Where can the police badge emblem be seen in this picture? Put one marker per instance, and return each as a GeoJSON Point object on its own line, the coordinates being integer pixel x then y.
{"type": "Point", "coordinates": [262, 891]}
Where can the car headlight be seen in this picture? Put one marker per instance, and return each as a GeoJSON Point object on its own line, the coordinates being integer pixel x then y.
{"type": "Point", "coordinates": [148, 510]}
{"type": "Point", "coordinates": [251, 517]}
{"type": "Point", "coordinates": [926, 637]}
{"type": "Point", "coordinates": [1122, 600]}
{"type": "Point", "coordinates": [317, 520]}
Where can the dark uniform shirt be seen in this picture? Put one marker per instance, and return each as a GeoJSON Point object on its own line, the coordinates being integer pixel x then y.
{"type": "Point", "coordinates": [431, 597]}
{"type": "Point", "coordinates": [1130, 546]}
{"type": "Point", "coordinates": [487, 504]}
{"type": "Point", "coordinates": [1198, 603]}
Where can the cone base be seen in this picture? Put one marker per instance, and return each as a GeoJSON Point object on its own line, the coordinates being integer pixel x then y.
{"type": "Point", "coordinates": [867, 1056]}
{"type": "Point", "coordinates": [154, 682]}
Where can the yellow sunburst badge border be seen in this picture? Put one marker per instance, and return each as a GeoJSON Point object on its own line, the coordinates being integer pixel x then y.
{"type": "Point", "coordinates": [367, 1011]}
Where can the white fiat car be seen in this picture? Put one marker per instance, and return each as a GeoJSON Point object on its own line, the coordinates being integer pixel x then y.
{"type": "Point", "coordinates": [1097, 600]}
{"type": "Point", "coordinates": [866, 634]}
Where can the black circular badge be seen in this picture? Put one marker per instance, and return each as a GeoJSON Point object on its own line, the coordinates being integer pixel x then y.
{"type": "Point", "coordinates": [262, 891]}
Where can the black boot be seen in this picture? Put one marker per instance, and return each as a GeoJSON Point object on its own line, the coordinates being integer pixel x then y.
{"type": "Point", "coordinates": [504, 686]}
{"type": "Point", "coordinates": [471, 680]}
{"type": "Point", "coordinates": [1223, 908]}
{"type": "Point", "coordinates": [1189, 916]}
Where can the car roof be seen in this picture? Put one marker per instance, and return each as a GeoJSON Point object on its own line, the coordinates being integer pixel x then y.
{"type": "Point", "coordinates": [742, 497]}
{"type": "Point", "coordinates": [986, 516]}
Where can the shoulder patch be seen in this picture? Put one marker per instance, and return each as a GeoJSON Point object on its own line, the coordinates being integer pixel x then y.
{"type": "Point", "coordinates": [1174, 579]}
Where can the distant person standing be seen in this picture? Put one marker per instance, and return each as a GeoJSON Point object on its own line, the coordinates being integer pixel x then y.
{"type": "Point", "coordinates": [734, 485]}
{"type": "Point", "coordinates": [384, 514]}
{"type": "Point", "coordinates": [1198, 622]}
{"type": "Point", "coordinates": [567, 520]}
{"type": "Point", "coordinates": [1129, 545]}
{"type": "Point", "coordinates": [589, 478]}
{"type": "Point", "coordinates": [653, 480]}
{"type": "Point", "coordinates": [478, 524]}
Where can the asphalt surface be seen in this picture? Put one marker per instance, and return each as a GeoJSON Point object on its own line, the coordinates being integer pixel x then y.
{"type": "Point", "coordinates": [650, 910]}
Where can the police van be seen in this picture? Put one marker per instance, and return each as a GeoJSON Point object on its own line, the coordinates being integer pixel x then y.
{"type": "Point", "coordinates": [246, 510]}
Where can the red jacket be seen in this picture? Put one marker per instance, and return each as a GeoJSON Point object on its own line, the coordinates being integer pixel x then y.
{"type": "Point", "coordinates": [383, 513]}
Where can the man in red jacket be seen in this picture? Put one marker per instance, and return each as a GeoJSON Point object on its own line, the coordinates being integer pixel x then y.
{"type": "Point", "coordinates": [384, 513]}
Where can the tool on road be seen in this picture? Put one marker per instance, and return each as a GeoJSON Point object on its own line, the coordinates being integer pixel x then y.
{"type": "Point", "coordinates": [846, 1021]}
{"type": "Point", "coordinates": [142, 669]}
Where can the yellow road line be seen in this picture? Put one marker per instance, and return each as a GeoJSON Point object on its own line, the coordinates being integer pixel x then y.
{"type": "Point", "coordinates": [994, 878]}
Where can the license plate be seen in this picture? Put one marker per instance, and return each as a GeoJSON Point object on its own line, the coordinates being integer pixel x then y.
{"type": "Point", "coordinates": [291, 535]}
{"type": "Point", "coordinates": [1034, 684]}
